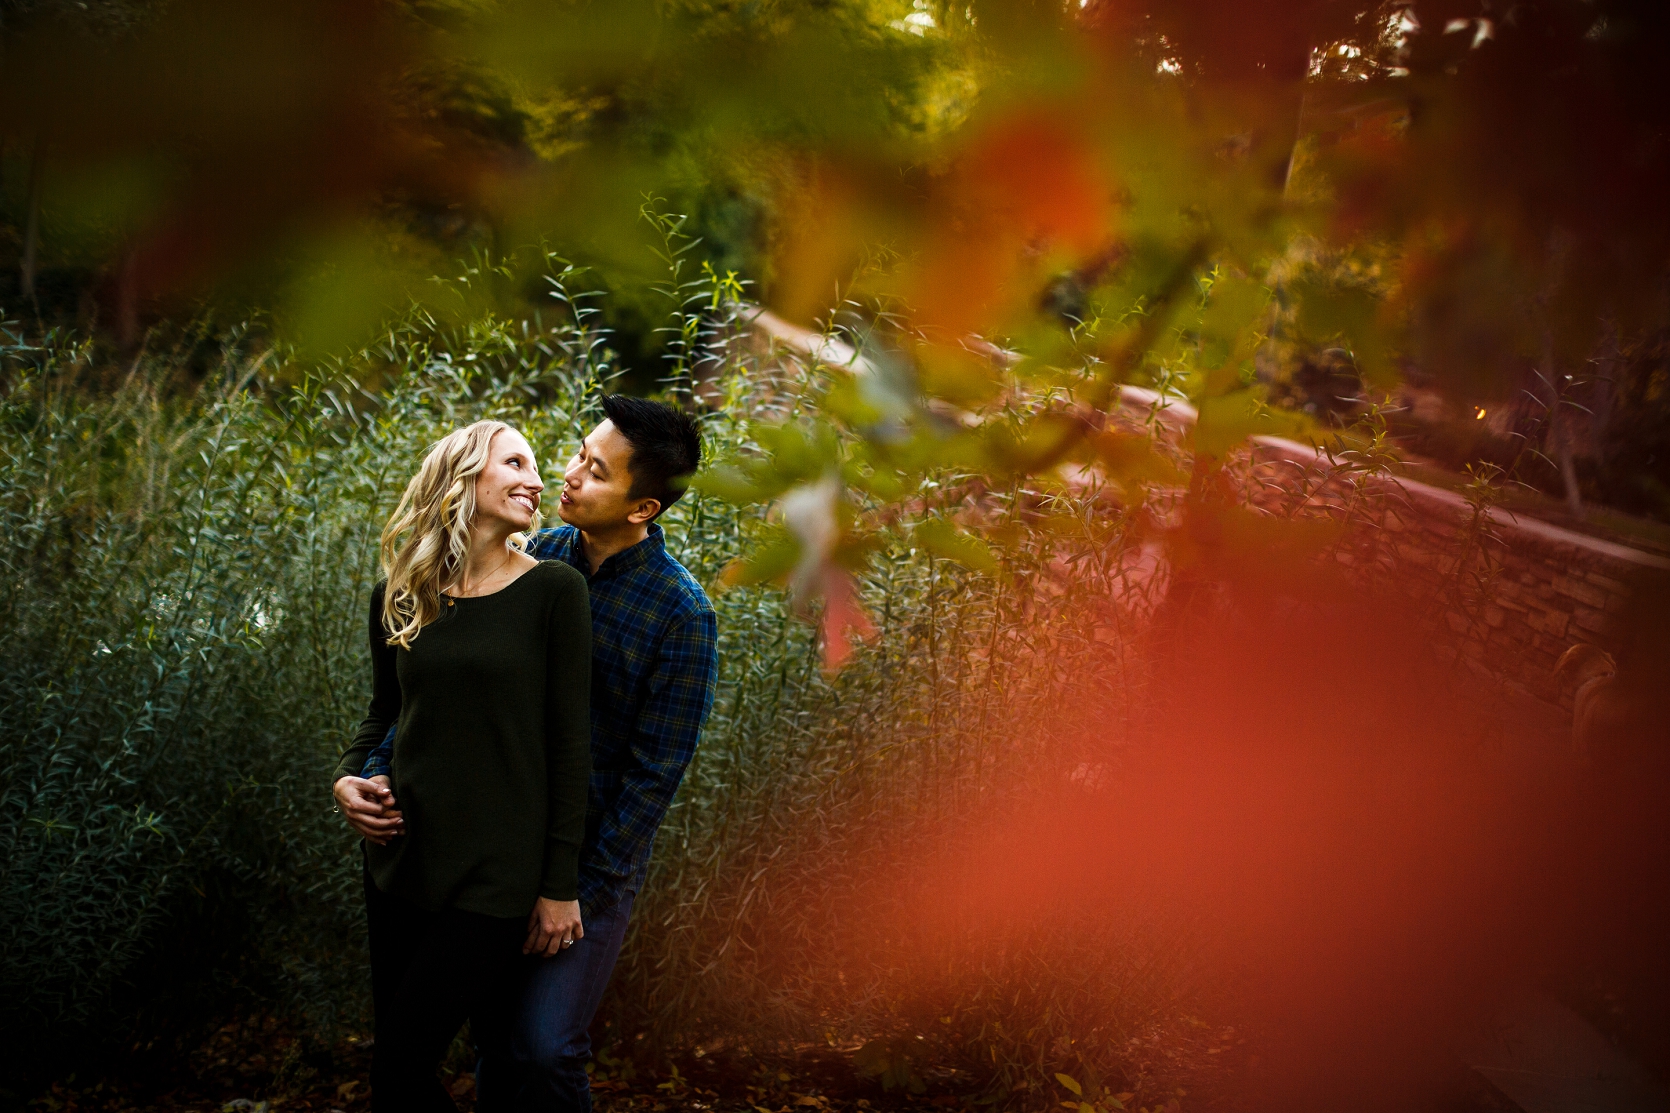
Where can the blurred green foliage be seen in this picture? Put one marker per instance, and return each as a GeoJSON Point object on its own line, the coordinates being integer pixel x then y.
{"type": "Point", "coordinates": [323, 160]}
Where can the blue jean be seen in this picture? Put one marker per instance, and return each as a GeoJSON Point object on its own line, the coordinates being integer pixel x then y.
{"type": "Point", "coordinates": [535, 1048]}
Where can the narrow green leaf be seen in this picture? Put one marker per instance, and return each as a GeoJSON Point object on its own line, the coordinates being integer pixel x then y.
{"type": "Point", "coordinates": [943, 539]}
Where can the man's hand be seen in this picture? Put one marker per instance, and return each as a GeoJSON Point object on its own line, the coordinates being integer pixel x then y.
{"type": "Point", "coordinates": [553, 926]}
{"type": "Point", "coordinates": [368, 806]}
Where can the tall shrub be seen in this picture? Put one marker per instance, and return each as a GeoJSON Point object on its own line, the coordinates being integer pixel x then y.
{"type": "Point", "coordinates": [182, 656]}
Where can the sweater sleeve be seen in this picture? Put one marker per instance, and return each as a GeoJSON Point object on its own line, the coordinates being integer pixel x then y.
{"type": "Point", "coordinates": [384, 709]}
{"type": "Point", "coordinates": [567, 733]}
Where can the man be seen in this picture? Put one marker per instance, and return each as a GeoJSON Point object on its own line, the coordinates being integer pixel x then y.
{"type": "Point", "coordinates": [653, 671]}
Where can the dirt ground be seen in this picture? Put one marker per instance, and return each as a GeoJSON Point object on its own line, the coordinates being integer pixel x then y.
{"type": "Point", "coordinates": [254, 1065]}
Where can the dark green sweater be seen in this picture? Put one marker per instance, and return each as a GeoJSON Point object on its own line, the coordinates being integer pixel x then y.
{"type": "Point", "coordinates": [493, 754]}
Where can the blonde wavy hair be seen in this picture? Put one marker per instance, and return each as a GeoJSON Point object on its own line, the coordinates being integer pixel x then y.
{"type": "Point", "coordinates": [427, 539]}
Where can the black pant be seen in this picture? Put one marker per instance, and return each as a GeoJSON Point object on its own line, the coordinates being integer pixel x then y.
{"type": "Point", "coordinates": [430, 971]}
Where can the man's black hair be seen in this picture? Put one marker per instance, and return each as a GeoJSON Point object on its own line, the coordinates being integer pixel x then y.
{"type": "Point", "coordinates": [666, 446]}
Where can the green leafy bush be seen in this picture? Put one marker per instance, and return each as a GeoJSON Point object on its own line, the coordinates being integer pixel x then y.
{"type": "Point", "coordinates": [181, 657]}
{"type": "Point", "coordinates": [183, 654]}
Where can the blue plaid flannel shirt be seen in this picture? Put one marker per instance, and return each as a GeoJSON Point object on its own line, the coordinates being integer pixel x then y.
{"type": "Point", "coordinates": [654, 665]}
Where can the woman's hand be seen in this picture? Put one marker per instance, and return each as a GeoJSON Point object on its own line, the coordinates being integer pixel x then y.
{"type": "Point", "coordinates": [553, 926]}
{"type": "Point", "coordinates": [368, 806]}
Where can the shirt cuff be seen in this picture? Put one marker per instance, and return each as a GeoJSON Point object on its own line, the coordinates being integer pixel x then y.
{"type": "Point", "coordinates": [375, 766]}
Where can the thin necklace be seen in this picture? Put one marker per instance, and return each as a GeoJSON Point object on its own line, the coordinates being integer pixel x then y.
{"type": "Point", "coordinates": [464, 592]}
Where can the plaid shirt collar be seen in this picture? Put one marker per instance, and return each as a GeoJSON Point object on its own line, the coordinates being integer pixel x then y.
{"type": "Point", "coordinates": [569, 547]}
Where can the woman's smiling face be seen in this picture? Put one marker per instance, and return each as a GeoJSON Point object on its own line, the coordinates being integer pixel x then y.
{"type": "Point", "coordinates": [507, 490]}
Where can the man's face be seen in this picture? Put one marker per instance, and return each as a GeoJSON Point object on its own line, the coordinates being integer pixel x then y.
{"type": "Point", "coordinates": [596, 485]}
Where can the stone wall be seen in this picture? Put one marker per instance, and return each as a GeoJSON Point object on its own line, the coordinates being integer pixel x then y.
{"type": "Point", "coordinates": [1517, 592]}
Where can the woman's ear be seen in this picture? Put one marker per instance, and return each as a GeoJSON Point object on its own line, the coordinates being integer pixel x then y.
{"type": "Point", "coordinates": [645, 511]}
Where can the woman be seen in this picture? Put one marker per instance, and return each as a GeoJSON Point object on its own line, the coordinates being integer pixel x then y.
{"type": "Point", "coordinates": [482, 655]}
